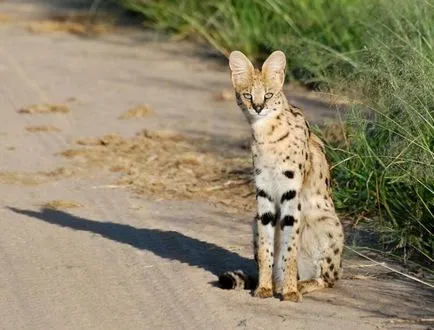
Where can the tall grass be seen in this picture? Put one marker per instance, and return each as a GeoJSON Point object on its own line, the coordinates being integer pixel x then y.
{"type": "Point", "coordinates": [377, 51]}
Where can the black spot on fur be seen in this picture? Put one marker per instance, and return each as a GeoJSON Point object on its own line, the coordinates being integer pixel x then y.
{"type": "Point", "coordinates": [332, 267]}
{"type": "Point", "coordinates": [300, 166]}
{"type": "Point", "coordinates": [330, 235]}
{"type": "Point", "coordinates": [262, 193]}
{"type": "Point", "coordinates": [329, 260]}
{"type": "Point", "coordinates": [288, 220]}
{"type": "Point", "coordinates": [320, 175]}
{"type": "Point", "coordinates": [295, 112]}
{"type": "Point", "coordinates": [336, 251]}
{"type": "Point", "coordinates": [327, 182]}
{"type": "Point", "coordinates": [297, 231]}
{"type": "Point", "coordinates": [289, 249]}
{"type": "Point", "coordinates": [289, 174]}
{"type": "Point", "coordinates": [299, 206]}
{"type": "Point", "coordinates": [258, 171]}
{"type": "Point", "coordinates": [281, 138]}
{"type": "Point", "coordinates": [336, 274]}
{"type": "Point", "coordinates": [267, 218]}
{"type": "Point", "coordinates": [307, 156]}
{"type": "Point", "coordinates": [288, 196]}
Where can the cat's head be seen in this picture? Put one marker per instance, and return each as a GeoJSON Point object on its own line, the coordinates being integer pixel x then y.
{"type": "Point", "coordinates": [257, 90]}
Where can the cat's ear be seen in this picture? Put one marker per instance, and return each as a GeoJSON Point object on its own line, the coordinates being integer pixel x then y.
{"type": "Point", "coordinates": [273, 69]}
{"type": "Point", "coordinates": [241, 69]}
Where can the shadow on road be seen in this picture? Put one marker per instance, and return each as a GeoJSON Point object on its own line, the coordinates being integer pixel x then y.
{"type": "Point", "coordinates": [165, 244]}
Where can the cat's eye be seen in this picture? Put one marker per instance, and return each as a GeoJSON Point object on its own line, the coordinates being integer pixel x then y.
{"type": "Point", "coordinates": [268, 95]}
{"type": "Point", "coordinates": [247, 96]}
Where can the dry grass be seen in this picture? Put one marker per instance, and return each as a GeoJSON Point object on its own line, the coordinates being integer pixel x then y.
{"type": "Point", "coordinates": [61, 205]}
{"type": "Point", "coordinates": [74, 23]}
{"type": "Point", "coordinates": [4, 18]}
{"type": "Point", "coordinates": [225, 95]}
{"type": "Point", "coordinates": [25, 178]}
{"type": "Point", "coordinates": [44, 109]}
{"type": "Point", "coordinates": [167, 165]}
{"type": "Point", "coordinates": [42, 128]}
{"type": "Point", "coordinates": [335, 133]}
{"type": "Point", "coordinates": [9, 177]}
{"type": "Point", "coordinates": [139, 111]}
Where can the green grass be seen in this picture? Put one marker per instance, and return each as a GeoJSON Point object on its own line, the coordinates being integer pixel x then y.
{"type": "Point", "coordinates": [379, 52]}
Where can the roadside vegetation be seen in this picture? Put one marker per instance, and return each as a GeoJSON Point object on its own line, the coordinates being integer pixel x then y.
{"type": "Point", "coordinates": [379, 53]}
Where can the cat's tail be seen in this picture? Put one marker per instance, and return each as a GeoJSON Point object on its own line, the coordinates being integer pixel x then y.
{"type": "Point", "coordinates": [237, 280]}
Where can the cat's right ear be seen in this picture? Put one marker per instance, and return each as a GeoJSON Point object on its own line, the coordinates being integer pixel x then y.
{"type": "Point", "coordinates": [241, 69]}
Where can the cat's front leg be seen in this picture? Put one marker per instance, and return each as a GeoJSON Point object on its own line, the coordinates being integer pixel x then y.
{"type": "Point", "coordinates": [263, 229]}
{"type": "Point", "coordinates": [289, 223]}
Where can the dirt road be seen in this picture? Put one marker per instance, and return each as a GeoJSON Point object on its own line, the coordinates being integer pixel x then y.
{"type": "Point", "coordinates": [117, 260]}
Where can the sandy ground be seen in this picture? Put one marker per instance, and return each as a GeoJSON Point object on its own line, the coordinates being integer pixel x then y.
{"type": "Point", "coordinates": [107, 258]}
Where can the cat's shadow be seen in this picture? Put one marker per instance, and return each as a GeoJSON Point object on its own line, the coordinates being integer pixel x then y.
{"type": "Point", "coordinates": [170, 245]}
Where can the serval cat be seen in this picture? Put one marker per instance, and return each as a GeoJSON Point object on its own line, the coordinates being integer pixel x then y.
{"type": "Point", "coordinates": [298, 238]}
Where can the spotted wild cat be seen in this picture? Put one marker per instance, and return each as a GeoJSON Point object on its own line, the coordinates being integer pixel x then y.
{"type": "Point", "coordinates": [298, 238]}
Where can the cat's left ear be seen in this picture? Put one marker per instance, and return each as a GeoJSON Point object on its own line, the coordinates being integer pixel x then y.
{"type": "Point", "coordinates": [273, 69]}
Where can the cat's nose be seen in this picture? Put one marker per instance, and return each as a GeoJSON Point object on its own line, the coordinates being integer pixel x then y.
{"type": "Point", "coordinates": [258, 107]}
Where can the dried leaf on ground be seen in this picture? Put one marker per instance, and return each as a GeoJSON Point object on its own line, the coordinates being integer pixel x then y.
{"type": "Point", "coordinates": [75, 24]}
{"type": "Point", "coordinates": [26, 178]}
{"type": "Point", "coordinates": [61, 205]}
{"type": "Point", "coordinates": [362, 277]}
{"type": "Point", "coordinates": [225, 95]}
{"type": "Point", "coordinates": [42, 128]}
{"type": "Point", "coordinates": [44, 109]}
{"type": "Point", "coordinates": [139, 111]}
{"type": "Point", "coordinates": [4, 17]}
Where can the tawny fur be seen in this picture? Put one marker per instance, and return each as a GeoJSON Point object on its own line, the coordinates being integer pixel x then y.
{"type": "Point", "coordinates": [298, 238]}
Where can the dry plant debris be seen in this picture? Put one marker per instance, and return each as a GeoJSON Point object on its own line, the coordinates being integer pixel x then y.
{"type": "Point", "coordinates": [139, 111]}
{"type": "Point", "coordinates": [167, 165]}
{"type": "Point", "coordinates": [224, 95]}
{"type": "Point", "coordinates": [362, 277]}
{"type": "Point", "coordinates": [75, 23]}
{"type": "Point", "coordinates": [61, 205]}
{"type": "Point", "coordinates": [335, 133]}
{"type": "Point", "coordinates": [44, 108]}
{"type": "Point", "coordinates": [42, 128]}
{"type": "Point", "coordinates": [10, 177]}
{"type": "Point", "coordinates": [4, 17]}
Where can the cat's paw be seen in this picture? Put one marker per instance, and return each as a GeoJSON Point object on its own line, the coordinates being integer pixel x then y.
{"type": "Point", "coordinates": [263, 292]}
{"type": "Point", "coordinates": [291, 296]}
